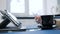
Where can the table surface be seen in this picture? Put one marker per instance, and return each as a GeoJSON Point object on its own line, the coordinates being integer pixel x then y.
{"type": "Point", "coordinates": [34, 32]}
{"type": "Point", "coordinates": [30, 31]}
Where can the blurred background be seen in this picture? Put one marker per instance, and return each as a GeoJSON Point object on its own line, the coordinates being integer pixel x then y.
{"type": "Point", "coordinates": [26, 10]}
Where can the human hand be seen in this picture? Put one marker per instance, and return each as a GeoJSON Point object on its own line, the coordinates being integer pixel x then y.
{"type": "Point", "coordinates": [38, 19]}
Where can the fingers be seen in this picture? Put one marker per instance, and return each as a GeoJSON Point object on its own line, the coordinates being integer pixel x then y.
{"type": "Point", "coordinates": [38, 19]}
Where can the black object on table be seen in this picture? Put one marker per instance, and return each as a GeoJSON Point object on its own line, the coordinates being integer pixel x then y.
{"type": "Point", "coordinates": [47, 21]}
{"type": "Point", "coordinates": [4, 23]}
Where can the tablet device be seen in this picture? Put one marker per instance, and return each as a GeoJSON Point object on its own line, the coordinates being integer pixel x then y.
{"type": "Point", "coordinates": [11, 17]}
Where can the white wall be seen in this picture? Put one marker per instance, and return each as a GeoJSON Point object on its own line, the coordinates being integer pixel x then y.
{"type": "Point", "coordinates": [2, 7]}
{"type": "Point", "coordinates": [2, 4]}
{"type": "Point", "coordinates": [58, 1]}
{"type": "Point", "coordinates": [51, 6]}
